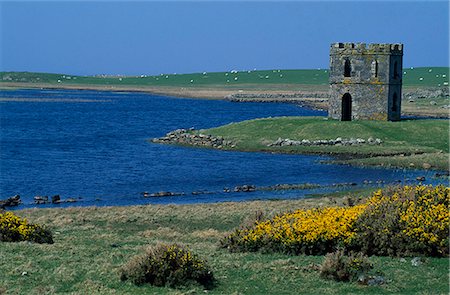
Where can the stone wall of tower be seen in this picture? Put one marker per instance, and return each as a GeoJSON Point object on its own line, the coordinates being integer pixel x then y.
{"type": "Point", "coordinates": [371, 82]}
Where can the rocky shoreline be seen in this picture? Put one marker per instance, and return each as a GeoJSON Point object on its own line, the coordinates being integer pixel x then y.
{"type": "Point", "coordinates": [338, 141]}
{"type": "Point", "coordinates": [192, 138]}
{"type": "Point", "coordinates": [37, 200]}
{"type": "Point", "coordinates": [275, 97]}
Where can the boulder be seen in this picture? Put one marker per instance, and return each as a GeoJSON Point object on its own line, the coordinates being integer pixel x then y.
{"type": "Point", "coordinates": [420, 178]}
{"type": "Point", "coordinates": [10, 202]}
{"type": "Point", "coordinates": [56, 199]}
{"type": "Point", "coordinates": [41, 200]}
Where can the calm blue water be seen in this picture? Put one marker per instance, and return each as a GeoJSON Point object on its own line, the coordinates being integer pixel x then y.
{"type": "Point", "coordinates": [93, 145]}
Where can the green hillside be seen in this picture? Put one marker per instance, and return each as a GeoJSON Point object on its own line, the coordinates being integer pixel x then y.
{"type": "Point", "coordinates": [425, 76]}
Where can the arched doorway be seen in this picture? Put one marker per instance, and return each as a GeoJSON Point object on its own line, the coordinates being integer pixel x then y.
{"type": "Point", "coordinates": [346, 109]}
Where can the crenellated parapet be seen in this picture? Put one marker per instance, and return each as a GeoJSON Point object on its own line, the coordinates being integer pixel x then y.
{"type": "Point", "coordinates": [363, 48]}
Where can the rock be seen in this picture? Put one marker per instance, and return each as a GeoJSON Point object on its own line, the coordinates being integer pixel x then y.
{"type": "Point", "coordinates": [444, 174]}
{"type": "Point", "coordinates": [201, 193]}
{"type": "Point", "coordinates": [41, 200]}
{"type": "Point", "coordinates": [378, 141]}
{"type": "Point", "coordinates": [376, 281]}
{"type": "Point", "coordinates": [420, 178]}
{"type": "Point", "coordinates": [306, 142]}
{"type": "Point", "coordinates": [433, 103]}
{"type": "Point", "coordinates": [56, 199]}
{"type": "Point", "coordinates": [71, 200]}
{"type": "Point", "coordinates": [417, 261]}
{"type": "Point", "coordinates": [371, 280]}
{"type": "Point", "coordinates": [245, 188]}
{"type": "Point", "coordinates": [165, 194]}
{"type": "Point", "coordinates": [426, 166]}
{"type": "Point", "coordinates": [10, 202]}
{"type": "Point", "coordinates": [226, 190]}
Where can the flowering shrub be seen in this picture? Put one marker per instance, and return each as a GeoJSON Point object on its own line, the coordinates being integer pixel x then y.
{"type": "Point", "coordinates": [406, 221]}
{"type": "Point", "coordinates": [340, 267]}
{"type": "Point", "coordinates": [401, 221]}
{"type": "Point", "coordinates": [315, 231]}
{"type": "Point", "coordinates": [167, 265]}
{"type": "Point", "coordinates": [16, 229]}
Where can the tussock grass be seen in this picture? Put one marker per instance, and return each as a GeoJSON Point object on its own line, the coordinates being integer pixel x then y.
{"type": "Point", "coordinates": [92, 243]}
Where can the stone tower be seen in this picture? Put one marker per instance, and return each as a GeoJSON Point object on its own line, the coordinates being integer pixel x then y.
{"type": "Point", "coordinates": [365, 81]}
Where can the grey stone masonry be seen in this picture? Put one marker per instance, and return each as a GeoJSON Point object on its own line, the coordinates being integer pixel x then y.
{"type": "Point", "coordinates": [365, 81]}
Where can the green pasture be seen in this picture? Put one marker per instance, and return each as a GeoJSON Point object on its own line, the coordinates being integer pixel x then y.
{"type": "Point", "coordinates": [409, 140]}
{"type": "Point", "coordinates": [420, 77]}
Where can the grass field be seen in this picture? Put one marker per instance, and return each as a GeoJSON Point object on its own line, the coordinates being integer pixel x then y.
{"type": "Point", "coordinates": [421, 77]}
{"type": "Point", "coordinates": [409, 143]}
{"type": "Point", "coordinates": [92, 243]}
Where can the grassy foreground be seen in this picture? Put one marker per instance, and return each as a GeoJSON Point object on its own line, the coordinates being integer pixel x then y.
{"type": "Point", "coordinates": [409, 143]}
{"type": "Point", "coordinates": [92, 243]}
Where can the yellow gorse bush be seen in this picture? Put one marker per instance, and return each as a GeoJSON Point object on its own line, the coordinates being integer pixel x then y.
{"type": "Point", "coordinates": [15, 229]}
{"type": "Point", "coordinates": [416, 216]}
{"type": "Point", "coordinates": [421, 215]}
{"type": "Point", "coordinates": [306, 228]}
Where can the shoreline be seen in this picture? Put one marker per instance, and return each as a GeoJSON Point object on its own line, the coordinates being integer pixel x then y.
{"type": "Point", "coordinates": [308, 96]}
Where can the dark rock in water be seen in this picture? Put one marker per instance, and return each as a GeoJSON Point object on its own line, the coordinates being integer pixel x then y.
{"type": "Point", "coordinates": [165, 194]}
{"type": "Point", "coordinates": [10, 202]}
{"type": "Point", "coordinates": [145, 194]}
{"type": "Point", "coordinates": [41, 200]}
{"type": "Point", "coordinates": [245, 188]}
{"type": "Point", "coordinates": [420, 178]}
{"type": "Point", "coordinates": [201, 193]}
{"type": "Point", "coordinates": [56, 199]}
{"type": "Point", "coordinates": [443, 174]}
{"type": "Point", "coordinates": [226, 190]}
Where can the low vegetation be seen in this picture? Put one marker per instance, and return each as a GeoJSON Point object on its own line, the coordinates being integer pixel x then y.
{"type": "Point", "coordinates": [167, 265]}
{"type": "Point", "coordinates": [408, 143]}
{"type": "Point", "coordinates": [93, 245]}
{"type": "Point", "coordinates": [16, 229]}
{"type": "Point", "coordinates": [407, 221]}
{"type": "Point", "coordinates": [340, 267]}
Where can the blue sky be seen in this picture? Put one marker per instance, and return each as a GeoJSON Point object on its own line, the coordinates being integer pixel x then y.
{"type": "Point", "coordinates": [179, 36]}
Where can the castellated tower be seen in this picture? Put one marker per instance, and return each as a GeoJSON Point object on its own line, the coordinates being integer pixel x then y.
{"type": "Point", "coordinates": [365, 81]}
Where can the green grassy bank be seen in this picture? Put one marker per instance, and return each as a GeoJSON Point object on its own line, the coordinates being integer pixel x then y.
{"type": "Point", "coordinates": [90, 244]}
{"type": "Point", "coordinates": [409, 143]}
{"type": "Point", "coordinates": [420, 77]}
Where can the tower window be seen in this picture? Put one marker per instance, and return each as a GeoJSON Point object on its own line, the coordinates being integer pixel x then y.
{"type": "Point", "coordinates": [347, 68]}
{"type": "Point", "coordinates": [394, 102]}
{"type": "Point", "coordinates": [395, 70]}
{"type": "Point", "coordinates": [374, 68]}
